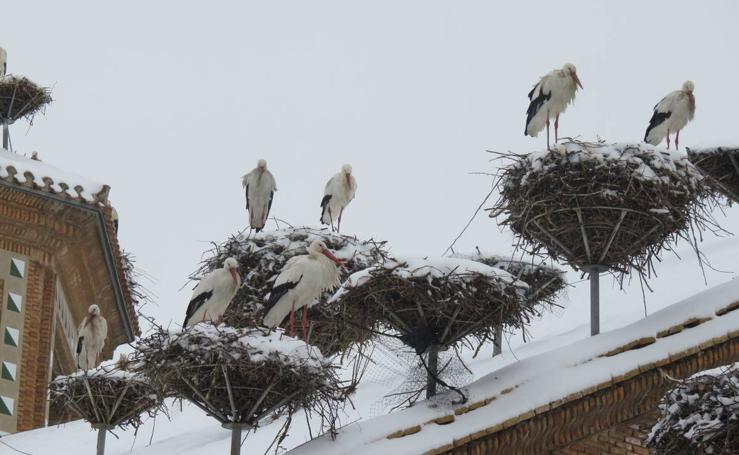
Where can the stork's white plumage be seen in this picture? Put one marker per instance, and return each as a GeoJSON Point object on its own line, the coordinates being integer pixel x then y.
{"type": "Point", "coordinates": [339, 192]}
{"type": "Point", "coordinates": [259, 186]}
{"type": "Point", "coordinates": [213, 294]}
{"type": "Point", "coordinates": [92, 333]}
{"type": "Point", "coordinates": [671, 114]}
{"type": "Point", "coordinates": [302, 280]}
{"type": "Point", "coordinates": [549, 98]}
{"type": "Point", "coordinates": [3, 62]}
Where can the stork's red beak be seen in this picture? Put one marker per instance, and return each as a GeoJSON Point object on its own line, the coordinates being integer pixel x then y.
{"type": "Point", "coordinates": [577, 79]}
{"type": "Point", "coordinates": [235, 275]}
{"type": "Point", "coordinates": [330, 255]}
{"type": "Point", "coordinates": [348, 179]}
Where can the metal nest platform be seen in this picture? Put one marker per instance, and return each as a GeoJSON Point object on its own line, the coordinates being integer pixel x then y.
{"type": "Point", "coordinates": [721, 166]}
{"type": "Point", "coordinates": [21, 98]}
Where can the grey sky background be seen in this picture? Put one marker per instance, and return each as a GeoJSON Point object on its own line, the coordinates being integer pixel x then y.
{"type": "Point", "coordinates": [171, 102]}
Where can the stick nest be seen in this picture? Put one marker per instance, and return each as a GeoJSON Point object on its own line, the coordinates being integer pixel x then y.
{"type": "Point", "coordinates": [240, 375]}
{"type": "Point", "coordinates": [21, 98]}
{"type": "Point", "coordinates": [699, 416]}
{"type": "Point", "coordinates": [617, 206]}
{"type": "Point", "coordinates": [441, 302]}
{"type": "Point", "coordinates": [107, 396]}
{"type": "Point", "coordinates": [545, 282]}
{"type": "Point", "coordinates": [721, 165]}
{"type": "Point", "coordinates": [334, 327]}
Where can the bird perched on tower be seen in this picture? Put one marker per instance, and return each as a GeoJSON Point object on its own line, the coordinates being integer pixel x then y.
{"type": "Point", "coordinates": [339, 192]}
{"type": "Point", "coordinates": [549, 98]}
{"type": "Point", "coordinates": [213, 294]}
{"type": "Point", "coordinates": [301, 281]}
{"type": "Point", "coordinates": [671, 114]}
{"type": "Point", "coordinates": [3, 62]}
{"type": "Point", "coordinates": [259, 186]}
{"type": "Point", "coordinates": [92, 333]}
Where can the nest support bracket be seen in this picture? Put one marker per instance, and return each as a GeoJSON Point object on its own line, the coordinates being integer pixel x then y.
{"type": "Point", "coordinates": [102, 432]}
{"type": "Point", "coordinates": [236, 429]}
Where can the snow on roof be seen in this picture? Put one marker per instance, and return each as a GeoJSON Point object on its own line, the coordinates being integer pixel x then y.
{"type": "Point", "coordinates": [430, 267]}
{"type": "Point", "coordinates": [44, 177]}
{"type": "Point", "coordinates": [540, 380]}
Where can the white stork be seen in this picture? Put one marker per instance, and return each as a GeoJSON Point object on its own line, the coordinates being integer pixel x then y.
{"type": "Point", "coordinates": [92, 333]}
{"type": "Point", "coordinates": [549, 98]}
{"type": "Point", "coordinates": [301, 281]}
{"type": "Point", "coordinates": [213, 294]}
{"type": "Point", "coordinates": [671, 114]}
{"type": "Point", "coordinates": [339, 192]}
{"type": "Point", "coordinates": [259, 186]}
{"type": "Point", "coordinates": [3, 62]}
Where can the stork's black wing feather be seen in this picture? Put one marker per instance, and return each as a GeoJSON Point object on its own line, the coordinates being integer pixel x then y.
{"type": "Point", "coordinates": [196, 302]}
{"type": "Point", "coordinates": [535, 105]}
{"type": "Point", "coordinates": [246, 190]}
{"type": "Point", "coordinates": [278, 291]}
{"type": "Point", "coordinates": [324, 204]}
{"type": "Point", "coordinates": [79, 345]}
{"type": "Point", "coordinates": [657, 119]}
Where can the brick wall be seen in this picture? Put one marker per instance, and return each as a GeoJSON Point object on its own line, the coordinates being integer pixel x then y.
{"type": "Point", "coordinates": [622, 439]}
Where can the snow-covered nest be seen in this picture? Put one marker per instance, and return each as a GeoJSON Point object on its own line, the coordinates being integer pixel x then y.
{"type": "Point", "coordinates": [107, 396]}
{"type": "Point", "coordinates": [240, 375]}
{"type": "Point", "coordinates": [700, 415]}
{"type": "Point", "coordinates": [21, 98]}
{"type": "Point", "coordinates": [721, 165]}
{"type": "Point", "coordinates": [438, 301]}
{"type": "Point", "coordinates": [545, 282]}
{"type": "Point", "coordinates": [613, 205]}
{"type": "Point", "coordinates": [261, 257]}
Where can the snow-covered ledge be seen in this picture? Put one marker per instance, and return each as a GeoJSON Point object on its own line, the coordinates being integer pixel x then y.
{"type": "Point", "coordinates": [516, 390]}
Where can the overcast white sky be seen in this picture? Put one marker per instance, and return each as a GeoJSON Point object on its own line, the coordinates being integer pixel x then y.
{"type": "Point", "coordinates": [170, 102]}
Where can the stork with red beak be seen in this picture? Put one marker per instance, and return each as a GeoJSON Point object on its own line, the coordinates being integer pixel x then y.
{"type": "Point", "coordinates": [259, 186]}
{"type": "Point", "coordinates": [339, 192]}
{"type": "Point", "coordinates": [213, 294]}
{"type": "Point", "coordinates": [91, 334]}
{"type": "Point", "coordinates": [672, 113]}
{"type": "Point", "coordinates": [549, 98]}
{"type": "Point", "coordinates": [301, 281]}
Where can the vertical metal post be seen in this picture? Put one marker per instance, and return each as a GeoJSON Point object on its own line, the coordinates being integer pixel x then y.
{"type": "Point", "coordinates": [235, 439]}
{"type": "Point", "coordinates": [498, 341]}
{"type": "Point", "coordinates": [6, 136]}
{"type": "Point", "coordinates": [102, 432]}
{"type": "Point", "coordinates": [594, 272]}
{"type": "Point", "coordinates": [432, 360]}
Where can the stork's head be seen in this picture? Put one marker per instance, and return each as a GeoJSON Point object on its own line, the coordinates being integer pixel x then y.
{"type": "Point", "coordinates": [688, 87]}
{"type": "Point", "coordinates": [262, 165]}
{"type": "Point", "coordinates": [571, 71]}
{"type": "Point", "coordinates": [347, 170]}
{"type": "Point", "coordinates": [93, 310]}
{"type": "Point", "coordinates": [318, 247]}
{"type": "Point", "coordinates": [232, 265]}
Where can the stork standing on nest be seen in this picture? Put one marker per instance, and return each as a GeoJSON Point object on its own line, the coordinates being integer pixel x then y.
{"type": "Point", "coordinates": [259, 186]}
{"type": "Point", "coordinates": [339, 192]}
{"type": "Point", "coordinates": [549, 98]}
{"type": "Point", "coordinates": [671, 114]}
{"type": "Point", "coordinates": [3, 62]}
{"type": "Point", "coordinates": [213, 294]}
{"type": "Point", "coordinates": [301, 281]}
{"type": "Point", "coordinates": [92, 333]}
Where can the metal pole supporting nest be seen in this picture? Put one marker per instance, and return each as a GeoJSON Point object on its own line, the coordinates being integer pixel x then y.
{"type": "Point", "coordinates": [102, 432]}
{"type": "Point", "coordinates": [236, 429]}
{"type": "Point", "coordinates": [432, 360]}
{"type": "Point", "coordinates": [6, 136]}
{"type": "Point", "coordinates": [594, 271]}
{"type": "Point", "coordinates": [498, 341]}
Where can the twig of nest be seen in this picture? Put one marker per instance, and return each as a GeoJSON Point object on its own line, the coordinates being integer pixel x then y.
{"type": "Point", "coordinates": [617, 206]}
{"type": "Point", "coordinates": [545, 282]}
{"type": "Point", "coordinates": [441, 302]}
{"type": "Point", "coordinates": [21, 98]}
{"type": "Point", "coordinates": [107, 396]}
{"type": "Point", "coordinates": [241, 376]}
{"type": "Point", "coordinates": [699, 416]}
{"type": "Point", "coordinates": [261, 258]}
{"type": "Point", "coordinates": [721, 165]}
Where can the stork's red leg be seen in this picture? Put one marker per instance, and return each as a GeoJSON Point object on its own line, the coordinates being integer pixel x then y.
{"type": "Point", "coordinates": [338, 227]}
{"type": "Point", "coordinates": [556, 125]}
{"type": "Point", "coordinates": [677, 140]}
{"type": "Point", "coordinates": [668, 139]}
{"type": "Point", "coordinates": [548, 131]}
{"type": "Point", "coordinates": [292, 321]}
{"type": "Point", "coordinates": [305, 323]}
